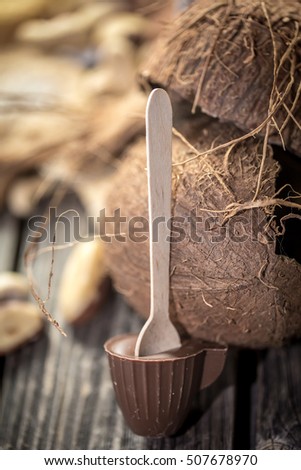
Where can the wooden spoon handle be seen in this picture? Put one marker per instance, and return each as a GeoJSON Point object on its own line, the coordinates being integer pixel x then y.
{"type": "Point", "coordinates": [159, 160]}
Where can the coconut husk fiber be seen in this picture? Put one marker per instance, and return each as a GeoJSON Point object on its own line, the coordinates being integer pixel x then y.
{"type": "Point", "coordinates": [239, 61]}
{"type": "Point", "coordinates": [231, 286]}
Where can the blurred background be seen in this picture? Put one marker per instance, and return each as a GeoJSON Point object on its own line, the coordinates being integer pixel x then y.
{"type": "Point", "coordinates": [69, 95]}
{"type": "Point", "coordinates": [71, 101]}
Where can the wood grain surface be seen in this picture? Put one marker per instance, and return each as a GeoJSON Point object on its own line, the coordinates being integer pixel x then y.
{"type": "Point", "coordinates": [56, 392]}
{"type": "Point", "coordinates": [277, 399]}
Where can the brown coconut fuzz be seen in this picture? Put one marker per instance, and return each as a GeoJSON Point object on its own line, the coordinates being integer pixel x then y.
{"type": "Point", "coordinates": [239, 61]}
{"type": "Point", "coordinates": [231, 286]}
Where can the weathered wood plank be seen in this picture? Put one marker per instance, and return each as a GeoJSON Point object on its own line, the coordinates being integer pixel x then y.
{"type": "Point", "coordinates": [9, 239]}
{"type": "Point", "coordinates": [58, 393]}
{"type": "Point", "coordinates": [9, 235]}
{"type": "Point", "coordinates": [277, 399]}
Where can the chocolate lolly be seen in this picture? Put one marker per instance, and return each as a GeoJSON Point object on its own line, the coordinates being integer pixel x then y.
{"type": "Point", "coordinates": [155, 392]}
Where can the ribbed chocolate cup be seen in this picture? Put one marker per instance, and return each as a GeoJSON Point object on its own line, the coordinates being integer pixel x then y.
{"type": "Point", "coordinates": [155, 392]}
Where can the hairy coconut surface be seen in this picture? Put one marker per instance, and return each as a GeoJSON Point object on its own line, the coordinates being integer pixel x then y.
{"type": "Point", "coordinates": [239, 61]}
{"type": "Point", "coordinates": [227, 282]}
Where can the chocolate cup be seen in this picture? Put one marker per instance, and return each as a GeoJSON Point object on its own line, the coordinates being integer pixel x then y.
{"type": "Point", "coordinates": [215, 358]}
{"type": "Point", "coordinates": [155, 392]}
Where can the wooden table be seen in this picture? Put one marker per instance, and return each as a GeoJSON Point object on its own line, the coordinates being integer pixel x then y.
{"type": "Point", "coordinates": [56, 392]}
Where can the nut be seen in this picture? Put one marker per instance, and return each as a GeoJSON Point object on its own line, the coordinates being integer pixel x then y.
{"type": "Point", "coordinates": [13, 12]}
{"type": "Point", "coordinates": [19, 322]}
{"type": "Point", "coordinates": [22, 196]}
{"type": "Point", "coordinates": [61, 28]}
{"type": "Point", "coordinates": [126, 25]}
{"type": "Point", "coordinates": [84, 284]}
{"type": "Point", "coordinates": [13, 286]}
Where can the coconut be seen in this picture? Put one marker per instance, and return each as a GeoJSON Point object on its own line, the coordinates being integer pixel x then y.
{"type": "Point", "coordinates": [238, 61]}
{"type": "Point", "coordinates": [227, 281]}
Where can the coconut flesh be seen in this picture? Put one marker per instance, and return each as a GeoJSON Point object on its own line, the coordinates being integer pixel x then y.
{"type": "Point", "coordinates": [240, 62]}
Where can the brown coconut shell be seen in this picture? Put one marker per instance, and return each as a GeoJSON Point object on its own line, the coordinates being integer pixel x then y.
{"type": "Point", "coordinates": [239, 61]}
{"type": "Point", "coordinates": [231, 286]}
